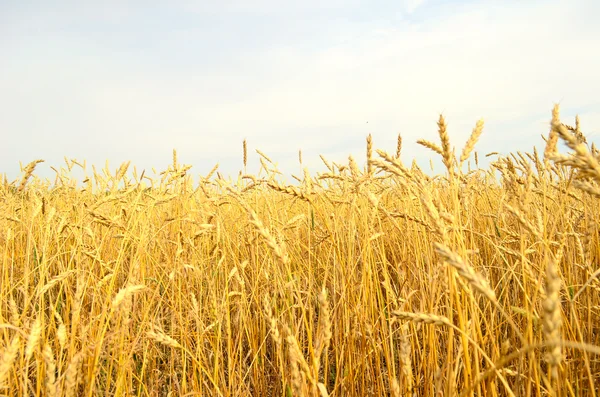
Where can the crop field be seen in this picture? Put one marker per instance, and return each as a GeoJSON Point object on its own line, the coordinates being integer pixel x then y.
{"type": "Point", "coordinates": [379, 280]}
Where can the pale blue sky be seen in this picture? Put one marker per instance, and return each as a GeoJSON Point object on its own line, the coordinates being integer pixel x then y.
{"type": "Point", "coordinates": [132, 80]}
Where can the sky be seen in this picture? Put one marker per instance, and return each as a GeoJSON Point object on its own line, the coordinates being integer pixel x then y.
{"type": "Point", "coordinates": [131, 81]}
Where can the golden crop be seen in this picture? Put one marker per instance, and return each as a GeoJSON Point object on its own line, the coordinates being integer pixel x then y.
{"type": "Point", "coordinates": [356, 282]}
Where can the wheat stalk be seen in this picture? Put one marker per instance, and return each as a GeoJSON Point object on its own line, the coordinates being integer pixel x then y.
{"type": "Point", "coordinates": [431, 145]}
{"type": "Point", "coordinates": [472, 141]}
{"type": "Point", "coordinates": [71, 375]}
{"type": "Point", "coordinates": [28, 171]}
{"type": "Point", "coordinates": [552, 318]}
{"type": "Point", "coordinates": [50, 370]}
{"type": "Point", "coordinates": [369, 154]}
{"type": "Point", "coordinates": [466, 271]}
{"type": "Point", "coordinates": [8, 358]}
{"type": "Point", "coordinates": [34, 338]}
{"type": "Point", "coordinates": [158, 335]}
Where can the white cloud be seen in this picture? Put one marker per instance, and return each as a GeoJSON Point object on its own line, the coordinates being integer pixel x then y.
{"type": "Point", "coordinates": [267, 6]}
{"type": "Point", "coordinates": [412, 5]}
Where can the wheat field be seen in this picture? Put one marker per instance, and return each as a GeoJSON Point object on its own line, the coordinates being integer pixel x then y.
{"type": "Point", "coordinates": [380, 281]}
